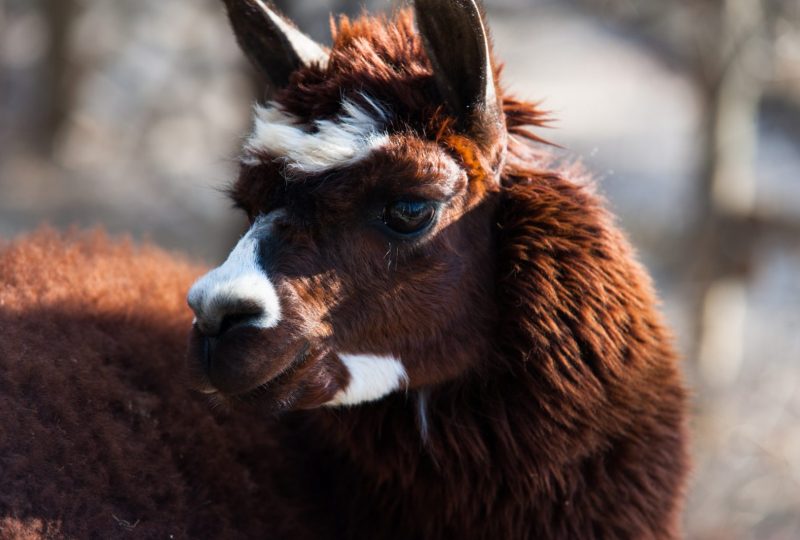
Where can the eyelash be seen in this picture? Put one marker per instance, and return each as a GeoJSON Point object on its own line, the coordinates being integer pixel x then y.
{"type": "Point", "coordinates": [418, 216]}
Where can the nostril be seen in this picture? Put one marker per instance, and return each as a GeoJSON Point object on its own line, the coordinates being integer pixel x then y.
{"type": "Point", "coordinates": [233, 320]}
{"type": "Point", "coordinates": [222, 316]}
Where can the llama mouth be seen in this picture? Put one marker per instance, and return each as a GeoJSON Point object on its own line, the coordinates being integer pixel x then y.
{"type": "Point", "coordinates": [241, 359]}
{"type": "Point", "coordinates": [303, 357]}
{"type": "Point", "coordinates": [285, 361]}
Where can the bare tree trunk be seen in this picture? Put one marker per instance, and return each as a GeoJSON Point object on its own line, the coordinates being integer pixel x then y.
{"type": "Point", "coordinates": [59, 72]}
{"type": "Point", "coordinates": [727, 195]}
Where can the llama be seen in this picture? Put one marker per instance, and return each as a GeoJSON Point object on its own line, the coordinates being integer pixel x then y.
{"type": "Point", "coordinates": [412, 258]}
{"type": "Point", "coordinates": [431, 329]}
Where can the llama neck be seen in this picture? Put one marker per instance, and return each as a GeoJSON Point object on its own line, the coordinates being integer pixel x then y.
{"type": "Point", "coordinates": [450, 436]}
{"type": "Point", "coordinates": [421, 458]}
{"type": "Point", "coordinates": [443, 461]}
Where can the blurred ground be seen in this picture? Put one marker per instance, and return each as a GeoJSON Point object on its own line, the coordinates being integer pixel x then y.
{"type": "Point", "coordinates": [159, 101]}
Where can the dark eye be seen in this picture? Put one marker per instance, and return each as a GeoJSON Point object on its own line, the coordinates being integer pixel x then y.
{"type": "Point", "coordinates": [408, 218]}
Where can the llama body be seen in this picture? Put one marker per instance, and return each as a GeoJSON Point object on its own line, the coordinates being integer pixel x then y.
{"type": "Point", "coordinates": [99, 438]}
{"type": "Point", "coordinates": [455, 337]}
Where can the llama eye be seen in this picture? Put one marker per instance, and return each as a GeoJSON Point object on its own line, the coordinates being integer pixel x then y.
{"type": "Point", "coordinates": [409, 218]}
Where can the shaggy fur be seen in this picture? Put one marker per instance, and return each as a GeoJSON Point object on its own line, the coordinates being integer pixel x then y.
{"type": "Point", "coordinates": [98, 436]}
{"type": "Point", "coordinates": [556, 411]}
{"type": "Point", "coordinates": [571, 425]}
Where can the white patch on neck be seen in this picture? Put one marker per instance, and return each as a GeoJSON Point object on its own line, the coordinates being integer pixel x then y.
{"type": "Point", "coordinates": [371, 378]}
{"type": "Point", "coordinates": [342, 141]}
{"type": "Point", "coordinates": [238, 281]}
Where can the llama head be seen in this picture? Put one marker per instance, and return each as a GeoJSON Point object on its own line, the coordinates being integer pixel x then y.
{"type": "Point", "coordinates": [370, 181]}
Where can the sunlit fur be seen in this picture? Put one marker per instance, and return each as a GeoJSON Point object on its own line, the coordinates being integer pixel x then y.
{"type": "Point", "coordinates": [100, 435]}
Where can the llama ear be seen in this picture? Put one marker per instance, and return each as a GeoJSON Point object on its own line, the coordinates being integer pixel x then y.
{"type": "Point", "coordinates": [271, 42]}
{"type": "Point", "coordinates": [457, 44]}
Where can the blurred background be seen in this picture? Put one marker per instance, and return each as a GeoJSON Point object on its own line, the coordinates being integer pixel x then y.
{"type": "Point", "coordinates": [130, 115]}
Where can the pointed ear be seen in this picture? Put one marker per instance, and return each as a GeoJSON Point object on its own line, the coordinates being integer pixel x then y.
{"type": "Point", "coordinates": [271, 42]}
{"type": "Point", "coordinates": [457, 44]}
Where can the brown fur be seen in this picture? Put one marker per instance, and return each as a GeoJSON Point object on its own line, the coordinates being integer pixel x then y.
{"type": "Point", "coordinates": [98, 437]}
{"type": "Point", "coordinates": [545, 398]}
{"type": "Point", "coordinates": [556, 412]}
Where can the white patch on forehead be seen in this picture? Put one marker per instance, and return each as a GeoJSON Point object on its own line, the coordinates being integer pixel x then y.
{"type": "Point", "coordinates": [337, 142]}
{"type": "Point", "coordinates": [371, 378]}
{"type": "Point", "coordinates": [238, 282]}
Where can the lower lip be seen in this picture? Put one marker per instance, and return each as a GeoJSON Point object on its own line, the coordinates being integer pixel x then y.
{"type": "Point", "coordinates": [300, 358]}
{"type": "Point", "coordinates": [206, 345]}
